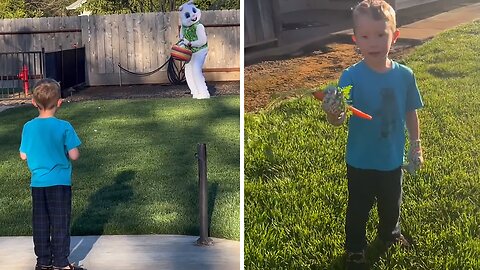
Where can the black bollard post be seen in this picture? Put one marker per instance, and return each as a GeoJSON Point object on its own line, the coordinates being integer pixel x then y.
{"type": "Point", "coordinates": [204, 240]}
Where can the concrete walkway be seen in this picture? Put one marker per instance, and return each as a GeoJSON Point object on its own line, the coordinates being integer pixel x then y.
{"type": "Point", "coordinates": [430, 27]}
{"type": "Point", "coordinates": [130, 253]}
{"type": "Point", "coordinates": [303, 41]}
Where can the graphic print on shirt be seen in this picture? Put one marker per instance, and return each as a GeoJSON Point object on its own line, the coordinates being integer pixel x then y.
{"type": "Point", "coordinates": [388, 113]}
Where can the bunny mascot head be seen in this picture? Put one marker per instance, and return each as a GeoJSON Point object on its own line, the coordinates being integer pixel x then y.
{"type": "Point", "coordinates": [190, 14]}
{"type": "Point", "coordinates": [193, 37]}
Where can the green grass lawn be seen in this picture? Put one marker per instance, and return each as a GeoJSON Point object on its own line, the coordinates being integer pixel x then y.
{"type": "Point", "coordinates": [295, 175]}
{"type": "Point", "coordinates": [137, 173]}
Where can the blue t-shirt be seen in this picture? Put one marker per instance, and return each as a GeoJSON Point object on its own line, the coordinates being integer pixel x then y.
{"type": "Point", "coordinates": [379, 143]}
{"type": "Point", "coordinates": [46, 142]}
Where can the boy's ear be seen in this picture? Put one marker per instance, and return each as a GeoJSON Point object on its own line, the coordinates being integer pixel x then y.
{"type": "Point", "coordinates": [354, 38]}
{"type": "Point", "coordinates": [59, 102]}
{"type": "Point", "coordinates": [396, 34]}
{"type": "Point", "coordinates": [34, 103]}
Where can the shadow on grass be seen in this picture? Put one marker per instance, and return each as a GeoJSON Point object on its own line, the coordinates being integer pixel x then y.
{"type": "Point", "coordinates": [172, 144]}
{"type": "Point", "coordinates": [338, 263]}
{"type": "Point", "coordinates": [212, 197]}
{"type": "Point", "coordinates": [102, 206]}
{"type": "Point", "coordinates": [375, 251]}
{"type": "Point", "coordinates": [184, 180]}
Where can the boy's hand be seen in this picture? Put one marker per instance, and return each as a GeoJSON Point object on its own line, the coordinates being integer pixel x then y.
{"type": "Point", "coordinates": [416, 153]}
{"type": "Point", "coordinates": [415, 157]}
{"type": "Point", "coordinates": [333, 102]}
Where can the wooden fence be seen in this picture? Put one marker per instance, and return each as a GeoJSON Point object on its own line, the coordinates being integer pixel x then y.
{"type": "Point", "coordinates": [262, 22]}
{"type": "Point", "coordinates": [138, 42]}
{"type": "Point", "coordinates": [263, 19]}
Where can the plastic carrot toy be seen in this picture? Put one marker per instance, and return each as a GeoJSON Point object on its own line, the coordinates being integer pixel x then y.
{"type": "Point", "coordinates": [359, 113]}
{"type": "Point", "coordinates": [346, 93]}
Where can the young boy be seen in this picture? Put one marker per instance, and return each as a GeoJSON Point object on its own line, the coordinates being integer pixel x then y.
{"type": "Point", "coordinates": [47, 145]}
{"type": "Point", "coordinates": [388, 92]}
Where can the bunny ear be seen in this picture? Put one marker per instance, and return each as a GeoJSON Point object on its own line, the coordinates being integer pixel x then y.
{"type": "Point", "coordinates": [190, 2]}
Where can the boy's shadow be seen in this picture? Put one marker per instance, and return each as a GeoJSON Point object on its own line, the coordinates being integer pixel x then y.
{"type": "Point", "coordinates": [338, 263]}
{"type": "Point", "coordinates": [375, 250]}
{"type": "Point", "coordinates": [102, 206]}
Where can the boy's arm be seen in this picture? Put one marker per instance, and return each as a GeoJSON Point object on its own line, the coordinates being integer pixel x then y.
{"type": "Point", "coordinates": [22, 149]}
{"type": "Point", "coordinates": [74, 154]}
{"type": "Point", "coordinates": [72, 142]}
{"type": "Point", "coordinates": [415, 156]}
{"type": "Point", "coordinates": [412, 126]}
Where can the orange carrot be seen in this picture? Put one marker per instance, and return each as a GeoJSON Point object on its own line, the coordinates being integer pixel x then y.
{"type": "Point", "coordinates": [321, 94]}
{"type": "Point", "coordinates": [359, 113]}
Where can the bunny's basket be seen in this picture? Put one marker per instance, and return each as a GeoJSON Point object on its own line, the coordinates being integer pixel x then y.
{"type": "Point", "coordinates": [181, 53]}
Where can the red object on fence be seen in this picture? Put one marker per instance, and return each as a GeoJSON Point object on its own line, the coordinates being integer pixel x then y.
{"type": "Point", "coordinates": [23, 75]}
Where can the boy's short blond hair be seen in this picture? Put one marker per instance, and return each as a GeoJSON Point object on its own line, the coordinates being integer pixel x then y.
{"type": "Point", "coordinates": [46, 93]}
{"type": "Point", "coordinates": [376, 9]}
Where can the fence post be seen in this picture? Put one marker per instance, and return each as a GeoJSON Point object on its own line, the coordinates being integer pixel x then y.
{"type": "Point", "coordinates": [42, 65]}
{"type": "Point", "coordinates": [204, 240]}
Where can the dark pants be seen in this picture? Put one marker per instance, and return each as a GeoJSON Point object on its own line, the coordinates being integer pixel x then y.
{"type": "Point", "coordinates": [363, 187]}
{"type": "Point", "coordinates": [52, 208]}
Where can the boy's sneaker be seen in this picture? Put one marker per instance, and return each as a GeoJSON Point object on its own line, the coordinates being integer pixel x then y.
{"type": "Point", "coordinates": [70, 267]}
{"type": "Point", "coordinates": [43, 267]}
{"type": "Point", "coordinates": [400, 240]}
{"type": "Point", "coordinates": [356, 261]}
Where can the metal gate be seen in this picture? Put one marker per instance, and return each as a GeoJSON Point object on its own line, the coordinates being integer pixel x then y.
{"type": "Point", "coordinates": [65, 66]}
{"type": "Point", "coordinates": [12, 83]}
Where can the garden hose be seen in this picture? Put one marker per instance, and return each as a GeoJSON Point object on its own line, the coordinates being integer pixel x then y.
{"type": "Point", "coordinates": [175, 72]}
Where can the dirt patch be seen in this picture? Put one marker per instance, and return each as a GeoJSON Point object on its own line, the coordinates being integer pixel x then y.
{"type": "Point", "coordinates": [13, 102]}
{"type": "Point", "coordinates": [134, 91]}
{"type": "Point", "coordinates": [268, 80]}
{"type": "Point", "coordinates": [151, 91]}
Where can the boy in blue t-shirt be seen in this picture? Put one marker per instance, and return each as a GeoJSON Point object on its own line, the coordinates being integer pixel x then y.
{"type": "Point", "coordinates": [388, 92]}
{"type": "Point", "coordinates": [47, 145]}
